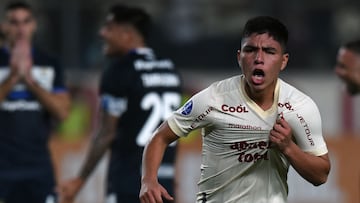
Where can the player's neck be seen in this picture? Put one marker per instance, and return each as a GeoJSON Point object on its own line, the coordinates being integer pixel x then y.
{"type": "Point", "coordinates": [263, 98]}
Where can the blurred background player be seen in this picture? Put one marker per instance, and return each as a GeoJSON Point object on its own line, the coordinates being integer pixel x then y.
{"type": "Point", "coordinates": [250, 123]}
{"type": "Point", "coordinates": [32, 92]}
{"type": "Point", "coordinates": [138, 92]}
{"type": "Point", "coordinates": [348, 65]}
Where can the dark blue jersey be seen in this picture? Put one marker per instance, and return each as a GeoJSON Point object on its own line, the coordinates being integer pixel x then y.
{"type": "Point", "coordinates": [142, 90]}
{"type": "Point", "coordinates": [24, 123]}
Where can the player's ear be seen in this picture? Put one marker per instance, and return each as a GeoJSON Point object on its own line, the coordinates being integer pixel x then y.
{"type": "Point", "coordinates": [285, 59]}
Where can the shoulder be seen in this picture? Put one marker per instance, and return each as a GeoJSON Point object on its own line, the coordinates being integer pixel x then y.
{"type": "Point", "coordinates": [226, 86]}
{"type": "Point", "coordinates": [294, 98]}
{"type": "Point", "coordinates": [42, 57]}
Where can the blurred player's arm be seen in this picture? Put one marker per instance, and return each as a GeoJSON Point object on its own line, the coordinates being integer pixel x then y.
{"type": "Point", "coordinates": [58, 104]}
{"type": "Point", "coordinates": [101, 142]}
{"type": "Point", "coordinates": [151, 191]}
{"type": "Point", "coordinates": [19, 51]}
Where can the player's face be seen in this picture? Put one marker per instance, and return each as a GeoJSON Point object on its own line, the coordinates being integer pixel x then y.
{"type": "Point", "coordinates": [115, 37]}
{"type": "Point", "coordinates": [348, 69]}
{"type": "Point", "coordinates": [261, 59]}
{"type": "Point", "coordinates": [19, 24]}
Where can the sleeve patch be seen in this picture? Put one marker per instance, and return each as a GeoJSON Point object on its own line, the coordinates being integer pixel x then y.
{"type": "Point", "coordinates": [115, 106]}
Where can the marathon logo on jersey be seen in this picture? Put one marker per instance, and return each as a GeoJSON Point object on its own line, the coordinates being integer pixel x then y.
{"type": "Point", "coordinates": [187, 108]}
{"type": "Point", "coordinates": [232, 109]}
{"type": "Point", "coordinates": [306, 129]}
{"type": "Point", "coordinates": [244, 146]}
{"type": "Point", "coordinates": [244, 127]}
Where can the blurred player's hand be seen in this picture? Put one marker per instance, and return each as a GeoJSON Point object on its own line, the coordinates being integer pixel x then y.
{"type": "Point", "coordinates": [281, 135]}
{"type": "Point", "coordinates": [21, 59]}
{"type": "Point", "coordinates": [351, 76]}
{"type": "Point", "coordinates": [68, 190]}
{"type": "Point", "coordinates": [153, 192]}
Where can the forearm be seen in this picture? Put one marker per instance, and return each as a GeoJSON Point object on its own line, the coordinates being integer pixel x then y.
{"type": "Point", "coordinates": [57, 105]}
{"type": "Point", "coordinates": [152, 157]}
{"type": "Point", "coordinates": [154, 151]}
{"type": "Point", "coordinates": [99, 146]}
{"type": "Point", "coordinates": [7, 86]}
{"type": "Point", "coordinates": [314, 169]}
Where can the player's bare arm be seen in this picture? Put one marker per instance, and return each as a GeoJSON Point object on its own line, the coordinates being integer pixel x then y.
{"type": "Point", "coordinates": [151, 191]}
{"type": "Point", "coordinates": [100, 144]}
{"type": "Point", "coordinates": [314, 169]}
{"type": "Point", "coordinates": [16, 61]}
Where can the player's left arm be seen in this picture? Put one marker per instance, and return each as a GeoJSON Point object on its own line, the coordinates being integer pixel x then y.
{"type": "Point", "coordinates": [57, 103]}
{"type": "Point", "coordinates": [309, 155]}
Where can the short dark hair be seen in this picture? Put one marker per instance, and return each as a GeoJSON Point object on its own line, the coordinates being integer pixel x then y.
{"type": "Point", "coordinates": [134, 16]}
{"type": "Point", "coordinates": [270, 25]}
{"type": "Point", "coordinates": [353, 46]}
{"type": "Point", "coordinates": [18, 5]}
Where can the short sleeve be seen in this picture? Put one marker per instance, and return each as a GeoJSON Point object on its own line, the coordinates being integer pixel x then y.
{"type": "Point", "coordinates": [305, 121]}
{"type": "Point", "coordinates": [192, 115]}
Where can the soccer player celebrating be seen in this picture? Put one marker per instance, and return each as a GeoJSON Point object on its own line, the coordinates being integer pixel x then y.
{"type": "Point", "coordinates": [32, 92]}
{"type": "Point", "coordinates": [348, 65]}
{"type": "Point", "coordinates": [138, 92]}
{"type": "Point", "coordinates": [255, 126]}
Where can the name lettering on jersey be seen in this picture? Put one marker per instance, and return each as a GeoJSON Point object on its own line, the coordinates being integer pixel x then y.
{"type": "Point", "coordinates": [20, 105]}
{"type": "Point", "coordinates": [150, 65]}
{"type": "Point", "coordinates": [201, 117]}
{"type": "Point", "coordinates": [239, 109]}
{"type": "Point", "coordinates": [243, 146]}
{"type": "Point", "coordinates": [306, 129]}
{"type": "Point", "coordinates": [245, 127]}
{"type": "Point", "coordinates": [287, 105]}
{"type": "Point", "coordinates": [160, 80]}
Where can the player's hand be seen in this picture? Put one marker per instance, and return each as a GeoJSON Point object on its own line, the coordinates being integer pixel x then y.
{"type": "Point", "coordinates": [281, 135]}
{"type": "Point", "coordinates": [68, 190]}
{"type": "Point", "coordinates": [153, 192]}
{"type": "Point", "coordinates": [21, 59]}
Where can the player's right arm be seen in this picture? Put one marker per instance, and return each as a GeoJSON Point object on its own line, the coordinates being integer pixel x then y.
{"type": "Point", "coordinates": [151, 191]}
{"type": "Point", "coordinates": [183, 121]}
{"type": "Point", "coordinates": [19, 59]}
{"type": "Point", "coordinates": [100, 144]}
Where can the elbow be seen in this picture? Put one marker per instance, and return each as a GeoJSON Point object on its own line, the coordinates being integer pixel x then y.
{"type": "Point", "coordinates": [321, 179]}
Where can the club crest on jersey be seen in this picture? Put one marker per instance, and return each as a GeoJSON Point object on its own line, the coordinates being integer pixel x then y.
{"type": "Point", "coordinates": [187, 108]}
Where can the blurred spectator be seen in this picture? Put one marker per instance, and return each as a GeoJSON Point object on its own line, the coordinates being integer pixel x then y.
{"type": "Point", "coordinates": [31, 93]}
{"type": "Point", "coordinates": [138, 92]}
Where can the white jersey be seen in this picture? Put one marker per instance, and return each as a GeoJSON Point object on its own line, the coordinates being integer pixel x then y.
{"type": "Point", "coordinates": [238, 165]}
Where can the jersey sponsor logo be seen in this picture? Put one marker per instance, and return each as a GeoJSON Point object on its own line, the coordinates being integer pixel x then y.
{"type": "Point", "coordinates": [245, 127]}
{"type": "Point", "coordinates": [306, 129]}
{"type": "Point", "coordinates": [187, 108]}
{"type": "Point", "coordinates": [287, 105]}
{"type": "Point", "coordinates": [160, 80]}
{"type": "Point", "coordinates": [20, 105]}
{"type": "Point", "coordinates": [232, 109]}
{"type": "Point", "coordinates": [243, 146]}
{"type": "Point", "coordinates": [150, 65]}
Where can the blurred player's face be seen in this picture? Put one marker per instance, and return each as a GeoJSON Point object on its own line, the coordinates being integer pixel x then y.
{"type": "Point", "coordinates": [261, 59]}
{"type": "Point", "coordinates": [19, 24]}
{"type": "Point", "coordinates": [115, 36]}
{"type": "Point", "coordinates": [348, 69]}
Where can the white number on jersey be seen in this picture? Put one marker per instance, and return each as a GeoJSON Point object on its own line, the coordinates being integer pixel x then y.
{"type": "Point", "coordinates": [162, 106]}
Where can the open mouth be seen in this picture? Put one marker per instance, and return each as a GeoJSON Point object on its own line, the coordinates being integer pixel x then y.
{"type": "Point", "coordinates": [258, 73]}
{"type": "Point", "coordinates": [258, 77]}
